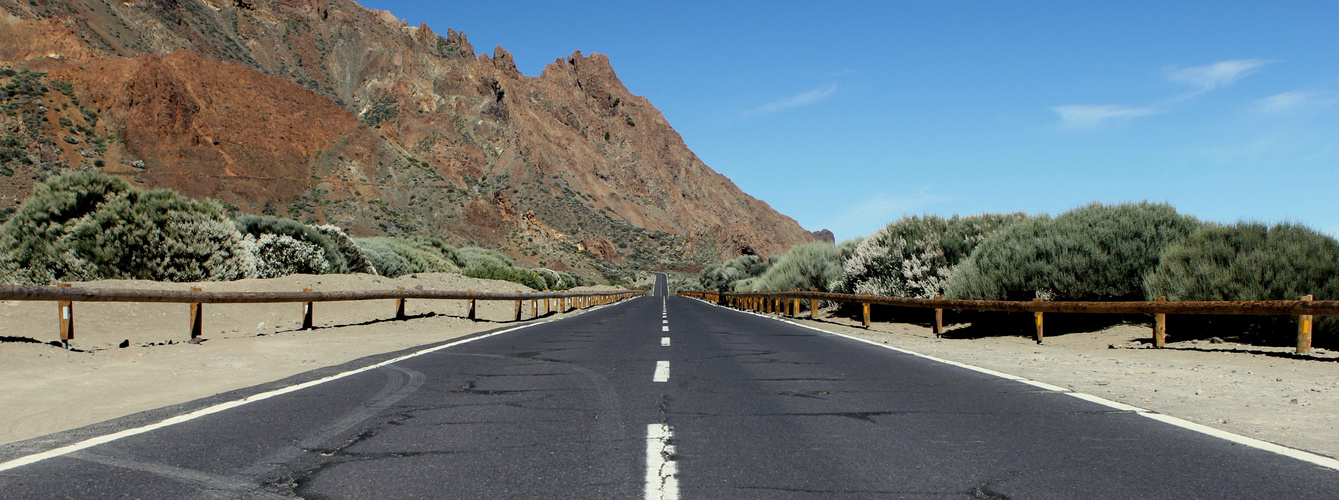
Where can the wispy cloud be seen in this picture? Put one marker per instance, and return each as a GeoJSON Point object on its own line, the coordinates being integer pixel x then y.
{"type": "Point", "coordinates": [1294, 101]}
{"type": "Point", "coordinates": [877, 211]}
{"type": "Point", "coordinates": [1211, 76]}
{"type": "Point", "coordinates": [1087, 116]}
{"type": "Point", "coordinates": [802, 99]}
{"type": "Point", "coordinates": [1203, 78]}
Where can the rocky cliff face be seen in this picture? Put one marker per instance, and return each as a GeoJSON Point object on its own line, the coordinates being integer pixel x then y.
{"type": "Point", "coordinates": [327, 111]}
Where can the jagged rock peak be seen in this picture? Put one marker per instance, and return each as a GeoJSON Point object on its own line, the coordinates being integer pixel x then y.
{"type": "Point", "coordinates": [455, 44]}
{"type": "Point", "coordinates": [503, 61]}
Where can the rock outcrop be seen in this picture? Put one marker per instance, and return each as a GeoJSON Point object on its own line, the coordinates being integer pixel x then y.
{"type": "Point", "coordinates": [330, 112]}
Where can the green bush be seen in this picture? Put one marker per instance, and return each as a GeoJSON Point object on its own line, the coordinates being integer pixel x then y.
{"type": "Point", "coordinates": [809, 266]}
{"type": "Point", "coordinates": [724, 276]}
{"type": "Point", "coordinates": [353, 255]}
{"type": "Point", "coordinates": [1249, 261]}
{"type": "Point", "coordinates": [399, 256]}
{"type": "Point", "coordinates": [915, 256]}
{"type": "Point", "coordinates": [513, 274]}
{"type": "Point", "coordinates": [260, 225]}
{"type": "Point", "coordinates": [1096, 252]}
{"type": "Point", "coordinates": [475, 257]}
{"type": "Point", "coordinates": [88, 225]}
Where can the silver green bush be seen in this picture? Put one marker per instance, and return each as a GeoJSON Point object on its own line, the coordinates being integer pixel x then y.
{"type": "Point", "coordinates": [88, 225]}
{"type": "Point", "coordinates": [915, 256]}
{"type": "Point", "coordinates": [357, 261]}
{"type": "Point", "coordinates": [260, 225]}
{"type": "Point", "coordinates": [1095, 252]}
{"type": "Point", "coordinates": [282, 255]}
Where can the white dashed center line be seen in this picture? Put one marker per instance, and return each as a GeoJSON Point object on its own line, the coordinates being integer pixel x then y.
{"type": "Point", "coordinates": [664, 328]}
{"type": "Point", "coordinates": [662, 482]}
{"type": "Point", "coordinates": [664, 342]}
{"type": "Point", "coordinates": [662, 372]}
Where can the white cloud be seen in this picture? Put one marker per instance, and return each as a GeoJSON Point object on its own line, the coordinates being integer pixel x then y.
{"type": "Point", "coordinates": [1087, 116]}
{"type": "Point", "coordinates": [1214, 75]}
{"type": "Point", "coordinates": [802, 99]}
{"type": "Point", "coordinates": [877, 211]}
{"type": "Point", "coordinates": [1293, 101]}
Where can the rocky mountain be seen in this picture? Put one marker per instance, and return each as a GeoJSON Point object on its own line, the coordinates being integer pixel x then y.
{"type": "Point", "coordinates": [326, 111]}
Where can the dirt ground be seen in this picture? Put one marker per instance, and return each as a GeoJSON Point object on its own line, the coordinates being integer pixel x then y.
{"type": "Point", "coordinates": [45, 389]}
{"type": "Point", "coordinates": [1268, 393]}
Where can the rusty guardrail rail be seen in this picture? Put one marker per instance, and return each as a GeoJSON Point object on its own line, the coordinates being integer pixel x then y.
{"type": "Point", "coordinates": [65, 296]}
{"type": "Point", "coordinates": [788, 303]}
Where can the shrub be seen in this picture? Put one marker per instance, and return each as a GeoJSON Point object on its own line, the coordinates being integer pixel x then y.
{"type": "Point", "coordinates": [88, 225]}
{"type": "Point", "coordinates": [723, 276]}
{"type": "Point", "coordinates": [570, 280]}
{"type": "Point", "coordinates": [353, 255]}
{"type": "Point", "coordinates": [809, 266]}
{"type": "Point", "coordinates": [1096, 252]}
{"type": "Point", "coordinates": [915, 256]}
{"type": "Point", "coordinates": [513, 274]}
{"type": "Point", "coordinates": [1249, 261]}
{"type": "Point", "coordinates": [282, 255]}
{"type": "Point", "coordinates": [399, 256]}
{"type": "Point", "coordinates": [552, 279]}
{"type": "Point", "coordinates": [475, 257]}
{"type": "Point", "coordinates": [260, 225]}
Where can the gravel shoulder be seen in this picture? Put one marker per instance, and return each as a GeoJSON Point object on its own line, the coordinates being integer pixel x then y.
{"type": "Point", "coordinates": [46, 389]}
{"type": "Point", "coordinates": [1267, 393]}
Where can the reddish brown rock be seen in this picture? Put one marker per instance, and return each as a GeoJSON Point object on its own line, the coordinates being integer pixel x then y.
{"type": "Point", "coordinates": [329, 111]}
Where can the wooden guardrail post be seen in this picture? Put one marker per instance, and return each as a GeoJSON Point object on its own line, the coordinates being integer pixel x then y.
{"type": "Point", "coordinates": [1160, 326]}
{"type": "Point", "coordinates": [534, 307]}
{"type": "Point", "coordinates": [518, 307]}
{"type": "Point", "coordinates": [306, 313]}
{"type": "Point", "coordinates": [471, 314]}
{"type": "Point", "coordinates": [1038, 317]}
{"type": "Point", "coordinates": [865, 317]}
{"type": "Point", "coordinates": [65, 313]}
{"type": "Point", "coordinates": [399, 306]}
{"type": "Point", "coordinates": [197, 317]}
{"type": "Point", "coordinates": [813, 306]}
{"type": "Point", "coordinates": [1304, 329]}
{"type": "Point", "coordinates": [939, 319]}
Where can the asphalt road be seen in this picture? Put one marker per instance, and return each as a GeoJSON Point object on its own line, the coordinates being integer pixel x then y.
{"type": "Point", "coordinates": [669, 397]}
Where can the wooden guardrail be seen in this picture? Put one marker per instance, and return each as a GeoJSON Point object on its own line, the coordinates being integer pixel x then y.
{"type": "Point", "coordinates": [65, 296]}
{"type": "Point", "coordinates": [789, 303]}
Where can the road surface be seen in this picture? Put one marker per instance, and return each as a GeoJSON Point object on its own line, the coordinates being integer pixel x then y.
{"type": "Point", "coordinates": [665, 397]}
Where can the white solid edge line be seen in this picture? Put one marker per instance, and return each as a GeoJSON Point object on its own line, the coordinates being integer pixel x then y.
{"type": "Point", "coordinates": [107, 438]}
{"type": "Point", "coordinates": [662, 372]}
{"type": "Point", "coordinates": [1304, 456]}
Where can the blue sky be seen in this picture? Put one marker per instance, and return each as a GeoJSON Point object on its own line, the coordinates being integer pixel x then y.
{"type": "Point", "coordinates": [847, 115]}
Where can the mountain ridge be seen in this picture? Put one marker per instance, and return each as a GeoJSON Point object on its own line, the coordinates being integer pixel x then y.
{"type": "Point", "coordinates": [330, 112]}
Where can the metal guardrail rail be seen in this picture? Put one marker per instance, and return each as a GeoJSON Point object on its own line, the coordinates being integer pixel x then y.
{"type": "Point", "coordinates": [789, 303]}
{"type": "Point", "coordinates": [65, 295]}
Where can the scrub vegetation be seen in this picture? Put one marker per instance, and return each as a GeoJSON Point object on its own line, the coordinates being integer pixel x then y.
{"type": "Point", "coordinates": [1097, 252]}
{"type": "Point", "coordinates": [88, 226]}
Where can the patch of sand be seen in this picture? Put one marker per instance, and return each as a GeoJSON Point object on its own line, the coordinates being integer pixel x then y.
{"type": "Point", "coordinates": [46, 389]}
{"type": "Point", "coordinates": [1267, 393]}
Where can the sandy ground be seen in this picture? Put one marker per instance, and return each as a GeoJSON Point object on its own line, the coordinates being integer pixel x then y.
{"type": "Point", "coordinates": [45, 389]}
{"type": "Point", "coordinates": [1267, 393]}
